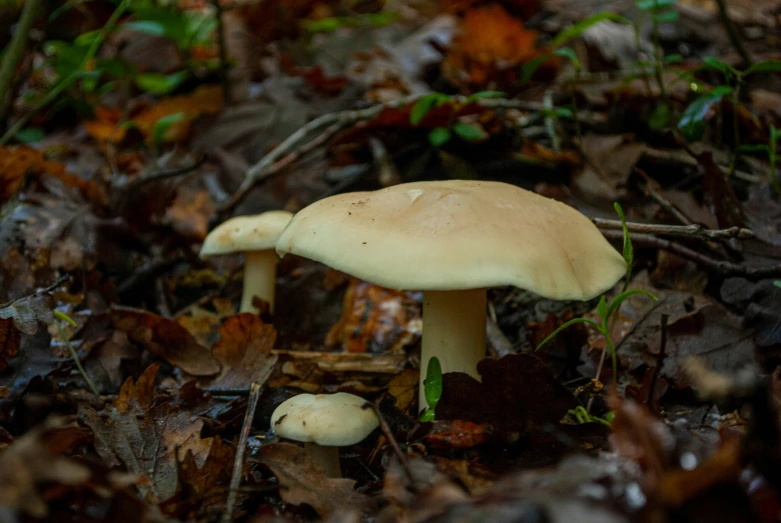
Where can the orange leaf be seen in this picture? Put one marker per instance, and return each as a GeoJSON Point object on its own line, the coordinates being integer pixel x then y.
{"type": "Point", "coordinates": [142, 390]}
{"type": "Point", "coordinates": [244, 351]}
{"type": "Point", "coordinates": [204, 100]}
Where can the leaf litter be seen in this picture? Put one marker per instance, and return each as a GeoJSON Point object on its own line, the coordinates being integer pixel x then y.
{"type": "Point", "coordinates": [156, 135]}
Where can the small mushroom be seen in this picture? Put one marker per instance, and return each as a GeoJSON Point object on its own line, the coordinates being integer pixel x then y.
{"type": "Point", "coordinates": [453, 239]}
{"type": "Point", "coordinates": [255, 236]}
{"type": "Point", "coordinates": [324, 422]}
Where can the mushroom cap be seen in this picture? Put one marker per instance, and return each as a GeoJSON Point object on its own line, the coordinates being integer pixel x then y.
{"type": "Point", "coordinates": [455, 235]}
{"type": "Point", "coordinates": [246, 233]}
{"type": "Point", "coordinates": [333, 420]}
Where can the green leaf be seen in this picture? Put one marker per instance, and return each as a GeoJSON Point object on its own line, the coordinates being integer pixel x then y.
{"type": "Point", "coordinates": [566, 52]}
{"type": "Point", "coordinates": [660, 118]}
{"type": "Point", "coordinates": [469, 132]}
{"type": "Point", "coordinates": [64, 317]}
{"type": "Point", "coordinates": [628, 250]}
{"type": "Point", "coordinates": [30, 135]}
{"type": "Point", "coordinates": [654, 5]}
{"type": "Point", "coordinates": [766, 66]}
{"type": "Point", "coordinates": [775, 133]}
{"type": "Point", "coordinates": [528, 69]}
{"type": "Point", "coordinates": [428, 415]}
{"type": "Point", "coordinates": [616, 303]}
{"type": "Point", "coordinates": [159, 84]}
{"type": "Point", "coordinates": [422, 107]}
{"type": "Point", "coordinates": [673, 58]}
{"type": "Point", "coordinates": [777, 283]}
{"type": "Point", "coordinates": [579, 28]}
{"type": "Point", "coordinates": [432, 385]}
{"type": "Point", "coordinates": [724, 68]}
{"type": "Point", "coordinates": [602, 307]}
{"type": "Point", "coordinates": [563, 112]}
{"type": "Point", "coordinates": [692, 121]}
{"type": "Point", "coordinates": [755, 148]}
{"type": "Point", "coordinates": [150, 27]}
{"type": "Point", "coordinates": [569, 323]}
{"type": "Point", "coordinates": [483, 95]}
{"type": "Point", "coordinates": [163, 124]}
{"type": "Point", "coordinates": [439, 136]}
{"type": "Point", "coordinates": [665, 17]}
{"type": "Point", "coordinates": [88, 38]}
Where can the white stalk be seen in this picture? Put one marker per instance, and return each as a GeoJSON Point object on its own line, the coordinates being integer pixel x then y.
{"type": "Point", "coordinates": [260, 274]}
{"type": "Point", "coordinates": [326, 457]}
{"type": "Point", "coordinates": [453, 331]}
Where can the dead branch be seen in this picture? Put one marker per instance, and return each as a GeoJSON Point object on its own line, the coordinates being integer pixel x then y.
{"type": "Point", "coordinates": [333, 122]}
{"type": "Point", "coordinates": [723, 267]}
{"type": "Point", "coordinates": [238, 463]}
{"type": "Point", "coordinates": [691, 231]}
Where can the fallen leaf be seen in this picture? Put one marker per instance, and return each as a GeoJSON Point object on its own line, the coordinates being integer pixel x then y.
{"type": "Point", "coordinates": [189, 214]}
{"type": "Point", "coordinates": [105, 127]}
{"type": "Point", "coordinates": [458, 434]}
{"type": "Point", "coordinates": [142, 391]}
{"type": "Point", "coordinates": [166, 339]}
{"type": "Point", "coordinates": [244, 351]}
{"type": "Point", "coordinates": [488, 39]}
{"type": "Point", "coordinates": [205, 100]}
{"type": "Point", "coordinates": [404, 388]}
{"type": "Point", "coordinates": [301, 480]}
{"type": "Point", "coordinates": [9, 342]}
{"type": "Point", "coordinates": [375, 319]}
{"type": "Point", "coordinates": [28, 311]}
{"type": "Point", "coordinates": [32, 462]}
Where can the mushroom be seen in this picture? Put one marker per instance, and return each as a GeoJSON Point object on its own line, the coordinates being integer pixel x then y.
{"type": "Point", "coordinates": [324, 422]}
{"type": "Point", "coordinates": [453, 239]}
{"type": "Point", "coordinates": [255, 236]}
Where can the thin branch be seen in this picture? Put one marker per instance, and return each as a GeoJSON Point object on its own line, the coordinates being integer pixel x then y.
{"type": "Point", "coordinates": [15, 50]}
{"type": "Point", "coordinates": [692, 231]}
{"type": "Point", "coordinates": [732, 32]}
{"type": "Point", "coordinates": [154, 176]}
{"type": "Point", "coordinates": [62, 279]}
{"type": "Point", "coordinates": [385, 428]}
{"type": "Point", "coordinates": [238, 463]}
{"type": "Point", "coordinates": [266, 167]}
{"type": "Point", "coordinates": [725, 268]}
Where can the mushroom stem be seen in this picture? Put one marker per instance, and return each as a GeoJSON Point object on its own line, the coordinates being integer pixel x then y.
{"type": "Point", "coordinates": [260, 274]}
{"type": "Point", "coordinates": [453, 331]}
{"type": "Point", "coordinates": [326, 457]}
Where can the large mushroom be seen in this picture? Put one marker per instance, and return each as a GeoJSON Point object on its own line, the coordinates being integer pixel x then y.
{"type": "Point", "coordinates": [324, 422]}
{"type": "Point", "coordinates": [256, 237]}
{"type": "Point", "coordinates": [452, 240]}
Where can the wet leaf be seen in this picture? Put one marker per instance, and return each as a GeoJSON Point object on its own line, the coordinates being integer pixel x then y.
{"type": "Point", "coordinates": [301, 480]}
{"type": "Point", "coordinates": [166, 339]}
{"type": "Point", "coordinates": [244, 351]}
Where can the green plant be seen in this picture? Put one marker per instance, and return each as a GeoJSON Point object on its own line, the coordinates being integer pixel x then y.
{"type": "Point", "coordinates": [432, 388]}
{"type": "Point", "coordinates": [609, 312]}
{"type": "Point", "coordinates": [64, 318]}
{"type": "Point", "coordinates": [334, 23]}
{"type": "Point", "coordinates": [439, 136]}
{"type": "Point", "coordinates": [770, 149]}
{"type": "Point", "coordinates": [581, 415]}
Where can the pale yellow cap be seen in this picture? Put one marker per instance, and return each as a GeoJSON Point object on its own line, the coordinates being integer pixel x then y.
{"type": "Point", "coordinates": [332, 420]}
{"type": "Point", "coordinates": [457, 234]}
{"type": "Point", "coordinates": [246, 233]}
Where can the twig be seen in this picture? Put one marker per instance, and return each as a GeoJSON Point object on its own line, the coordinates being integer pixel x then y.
{"type": "Point", "coordinates": [238, 463]}
{"type": "Point", "coordinates": [691, 231]}
{"type": "Point", "coordinates": [154, 176]}
{"type": "Point", "coordinates": [733, 34]}
{"type": "Point", "coordinates": [62, 279]}
{"type": "Point", "coordinates": [226, 85]}
{"type": "Point", "coordinates": [653, 190]}
{"type": "Point", "coordinates": [725, 268]}
{"type": "Point", "coordinates": [277, 166]}
{"type": "Point", "coordinates": [65, 84]}
{"type": "Point", "coordinates": [335, 121]}
{"type": "Point", "coordinates": [15, 50]}
{"type": "Point", "coordinates": [393, 443]}
{"type": "Point", "coordinates": [659, 363]}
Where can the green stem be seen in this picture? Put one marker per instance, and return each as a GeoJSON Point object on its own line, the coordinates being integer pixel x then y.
{"type": "Point", "coordinates": [773, 173]}
{"type": "Point", "coordinates": [612, 348]}
{"type": "Point", "coordinates": [15, 49]}
{"type": "Point", "coordinates": [65, 84]}
{"type": "Point", "coordinates": [77, 361]}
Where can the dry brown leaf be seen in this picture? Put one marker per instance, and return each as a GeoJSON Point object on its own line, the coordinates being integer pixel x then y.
{"type": "Point", "coordinates": [189, 214]}
{"type": "Point", "coordinates": [142, 390]}
{"type": "Point", "coordinates": [202, 101]}
{"type": "Point", "coordinates": [404, 387]}
{"type": "Point", "coordinates": [301, 480]}
{"type": "Point", "coordinates": [32, 461]}
{"type": "Point", "coordinates": [28, 311]}
{"type": "Point", "coordinates": [146, 443]}
{"type": "Point", "coordinates": [166, 339]}
{"type": "Point", "coordinates": [488, 39]}
{"type": "Point", "coordinates": [244, 351]}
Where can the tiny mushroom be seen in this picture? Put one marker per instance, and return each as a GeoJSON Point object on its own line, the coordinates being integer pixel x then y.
{"type": "Point", "coordinates": [255, 236]}
{"type": "Point", "coordinates": [453, 239]}
{"type": "Point", "coordinates": [324, 422]}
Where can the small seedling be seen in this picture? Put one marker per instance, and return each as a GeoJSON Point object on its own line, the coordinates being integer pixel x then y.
{"type": "Point", "coordinates": [439, 136]}
{"type": "Point", "coordinates": [608, 313]}
{"type": "Point", "coordinates": [432, 388]}
{"type": "Point", "coordinates": [581, 415]}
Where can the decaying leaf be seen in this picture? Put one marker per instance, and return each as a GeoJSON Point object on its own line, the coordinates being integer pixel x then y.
{"type": "Point", "coordinates": [301, 480]}
{"type": "Point", "coordinates": [404, 387]}
{"type": "Point", "coordinates": [9, 342]}
{"type": "Point", "coordinates": [244, 351]}
{"type": "Point", "coordinates": [166, 339]}
{"type": "Point", "coordinates": [28, 311]}
{"type": "Point", "coordinates": [141, 390]}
